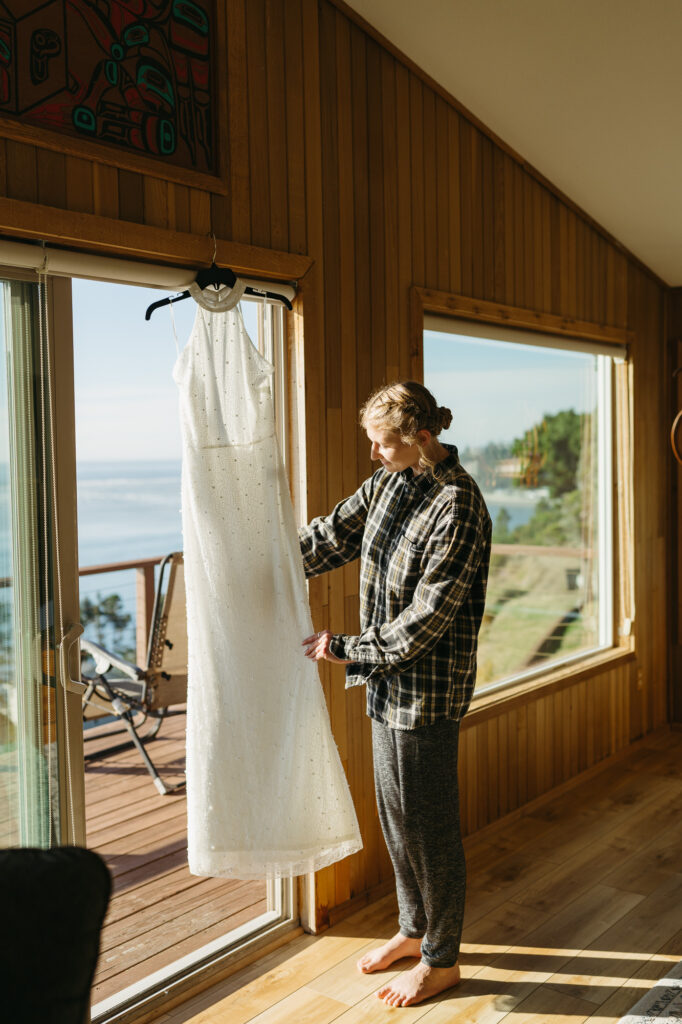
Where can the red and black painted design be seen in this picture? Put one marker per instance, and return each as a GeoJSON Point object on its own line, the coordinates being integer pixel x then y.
{"type": "Point", "coordinates": [135, 73]}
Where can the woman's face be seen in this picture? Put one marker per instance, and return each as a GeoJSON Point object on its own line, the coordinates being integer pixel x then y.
{"type": "Point", "coordinates": [387, 448]}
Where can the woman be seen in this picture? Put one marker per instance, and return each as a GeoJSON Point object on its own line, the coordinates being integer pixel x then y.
{"type": "Point", "coordinates": [422, 531]}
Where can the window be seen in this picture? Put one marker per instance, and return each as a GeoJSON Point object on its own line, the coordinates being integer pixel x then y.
{"type": "Point", "coordinates": [533, 425]}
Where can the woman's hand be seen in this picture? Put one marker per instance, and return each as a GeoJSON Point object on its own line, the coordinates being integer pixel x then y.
{"type": "Point", "coordinates": [318, 648]}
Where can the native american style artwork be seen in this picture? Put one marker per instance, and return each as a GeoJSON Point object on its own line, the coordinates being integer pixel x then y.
{"type": "Point", "coordinates": [132, 73]}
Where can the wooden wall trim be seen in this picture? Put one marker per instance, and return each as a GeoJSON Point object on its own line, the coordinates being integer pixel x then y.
{"type": "Point", "coordinates": [427, 300]}
{"type": "Point", "coordinates": [432, 84]}
{"type": "Point", "coordinates": [105, 235]}
{"type": "Point", "coordinates": [112, 156]}
{"type": "Point", "coordinates": [363, 899]}
{"type": "Point", "coordinates": [490, 704]}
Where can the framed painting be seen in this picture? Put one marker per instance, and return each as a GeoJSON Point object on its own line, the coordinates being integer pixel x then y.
{"type": "Point", "coordinates": [132, 83]}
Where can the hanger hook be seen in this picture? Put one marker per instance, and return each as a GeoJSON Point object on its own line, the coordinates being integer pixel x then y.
{"type": "Point", "coordinates": [215, 246]}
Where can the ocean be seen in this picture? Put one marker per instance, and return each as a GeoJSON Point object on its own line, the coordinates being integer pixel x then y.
{"type": "Point", "coordinates": [519, 505]}
{"type": "Point", "coordinates": [126, 510]}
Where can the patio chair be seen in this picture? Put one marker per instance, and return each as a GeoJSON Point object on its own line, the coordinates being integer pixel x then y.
{"type": "Point", "coordinates": [136, 694]}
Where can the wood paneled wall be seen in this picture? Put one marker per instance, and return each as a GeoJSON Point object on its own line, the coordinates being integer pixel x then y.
{"type": "Point", "coordinates": [340, 149]}
{"type": "Point", "coordinates": [516, 754]}
{"type": "Point", "coordinates": [674, 331]}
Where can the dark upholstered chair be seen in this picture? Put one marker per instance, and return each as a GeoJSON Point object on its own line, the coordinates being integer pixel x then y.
{"type": "Point", "coordinates": [53, 904]}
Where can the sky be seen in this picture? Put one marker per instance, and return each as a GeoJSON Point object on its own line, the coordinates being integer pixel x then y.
{"type": "Point", "coordinates": [127, 404]}
{"type": "Point", "coordinates": [126, 398]}
{"type": "Point", "coordinates": [497, 390]}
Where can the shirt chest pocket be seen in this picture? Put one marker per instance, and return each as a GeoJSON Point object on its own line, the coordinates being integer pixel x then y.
{"type": "Point", "coordinates": [405, 563]}
{"type": "Point", "coordinates": [415, 532]}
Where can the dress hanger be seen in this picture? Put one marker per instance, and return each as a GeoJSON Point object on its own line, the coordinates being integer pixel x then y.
{"type": "Point", "coordinates": [218, 277]}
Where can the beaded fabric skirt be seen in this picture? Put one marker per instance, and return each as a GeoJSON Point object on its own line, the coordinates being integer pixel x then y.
{"type": "Point", "coordinates": [266, 791]}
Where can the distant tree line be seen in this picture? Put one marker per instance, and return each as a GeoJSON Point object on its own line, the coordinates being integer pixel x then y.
{"type": "Point", "coordinates": [556, 453]}
{"type": "Point", "coordinates": [109, 624]}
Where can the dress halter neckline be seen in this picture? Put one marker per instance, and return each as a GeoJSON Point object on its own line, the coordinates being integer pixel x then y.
{"type": "Point", "coordinates": [217, 300]}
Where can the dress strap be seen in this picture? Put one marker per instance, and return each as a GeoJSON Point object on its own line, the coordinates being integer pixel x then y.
{"type": "Point", "coordinates": [175, 331]}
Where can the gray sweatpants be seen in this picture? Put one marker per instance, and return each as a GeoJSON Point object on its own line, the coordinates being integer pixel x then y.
{"type": "Point", "coordinates": [415, 776]}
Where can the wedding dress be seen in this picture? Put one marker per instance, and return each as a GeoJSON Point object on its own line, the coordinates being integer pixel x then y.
{"type": "Point", "coordinates": [266, 791]}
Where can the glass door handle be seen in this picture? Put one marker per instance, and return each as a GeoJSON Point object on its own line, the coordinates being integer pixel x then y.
{"type": "Point", "coordinates": [69, 639]}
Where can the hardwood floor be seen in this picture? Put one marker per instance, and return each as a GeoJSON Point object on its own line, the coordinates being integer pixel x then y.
{"type": "Point", "coordinates": [158, 911]}
{"type": "Point", "coordinates": [573, 913]}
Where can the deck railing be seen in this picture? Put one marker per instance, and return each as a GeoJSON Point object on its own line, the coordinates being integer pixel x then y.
{"type": "Point", "coordinates": [145, 587]}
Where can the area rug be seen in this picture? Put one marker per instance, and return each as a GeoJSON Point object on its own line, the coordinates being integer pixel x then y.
{"type": "Point", "coordinates": [662, 1003]}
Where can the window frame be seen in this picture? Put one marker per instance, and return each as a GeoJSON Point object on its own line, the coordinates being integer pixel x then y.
{"type": "Point", "coordinates": [424, 302]}
{"type": "Point", "coordinates": [287, 899]}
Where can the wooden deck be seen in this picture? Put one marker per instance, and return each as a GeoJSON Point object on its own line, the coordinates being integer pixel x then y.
{"type": "Point", "coordinates": [159, 912]}
{"type": "Point", "coordinates": [573, 913]}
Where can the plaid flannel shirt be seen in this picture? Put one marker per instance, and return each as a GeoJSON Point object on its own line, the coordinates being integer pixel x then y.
{"type": "Point", "coordinates": [424, 546]}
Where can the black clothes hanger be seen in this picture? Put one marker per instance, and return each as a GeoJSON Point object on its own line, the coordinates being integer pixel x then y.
{"type": "Point", "coordinates": [217, 276]}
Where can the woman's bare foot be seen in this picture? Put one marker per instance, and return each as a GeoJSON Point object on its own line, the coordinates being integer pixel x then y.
{"type": "Point", "coordinates": [396, 948]}
{"type": "Point", "coordinates": [418, 984]}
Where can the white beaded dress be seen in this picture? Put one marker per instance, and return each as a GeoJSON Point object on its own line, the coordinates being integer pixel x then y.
{"type": "Point", "coordinates": [266, 791]}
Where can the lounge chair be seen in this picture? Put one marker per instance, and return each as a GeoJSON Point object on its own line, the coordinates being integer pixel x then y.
{"type": "Point", "coordinates": [144, 693]}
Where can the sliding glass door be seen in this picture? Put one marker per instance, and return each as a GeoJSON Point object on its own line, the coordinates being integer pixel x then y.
{"type": "Point", "coordinates": [35, 773]}
{"type": "Point", "coordinates": [187, 925]}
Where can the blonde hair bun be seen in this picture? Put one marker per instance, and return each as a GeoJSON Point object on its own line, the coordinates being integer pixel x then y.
{"type": "Point", "coordinates": [406, 407]}
{"type": "Point", "coordinates": [446, 417]}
